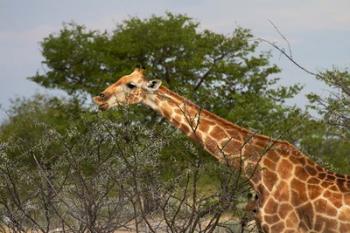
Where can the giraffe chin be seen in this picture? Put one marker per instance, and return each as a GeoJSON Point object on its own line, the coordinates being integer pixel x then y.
{"type": "Point", "coordinates": [103, 107]}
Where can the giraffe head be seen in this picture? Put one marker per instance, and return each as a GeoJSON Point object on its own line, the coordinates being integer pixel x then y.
{"type": "Point", "coordinates": [129, 89]}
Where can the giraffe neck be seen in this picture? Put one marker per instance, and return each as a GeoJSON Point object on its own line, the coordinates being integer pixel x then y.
{"type": "Point", "coordinates": [292, 191]}
{"type": "Point", "coordinates": [224, 140]}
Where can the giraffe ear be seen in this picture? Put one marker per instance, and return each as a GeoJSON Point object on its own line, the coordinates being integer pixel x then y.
{"type": "Point", "coordinates": [153, 85]}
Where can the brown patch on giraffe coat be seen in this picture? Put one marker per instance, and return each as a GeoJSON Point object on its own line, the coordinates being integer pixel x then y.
{"type": "Point", "coordinates": [334, 188]}
{"type": "Point", "coordinates": [314, 191]}
{"type": "Point", "coordinates": [302, 161]}
{"type": "Point", "coordinates": [179, 111]}
{"type": "Point", "coordinates": [284, 209]}
{"type": "Point", "coordinates": [165, 106]}
{"type": "Point", "coordinates": [282, 191]}
{"type": "Point", "coordinates": [218, 133]}
{"type": "Point", "coordinates": [321, 206]}
{"type": "Point", "coordinates": [326, 184]}
{"type": "Point", "coordinates": [335, 198]}
{"type": "Point", "coordinates": [298, 192]}
{"type": "Point", "coordinates": [301, 173]}
{"type": "Point", "coordinates": [294, 160]}
{"type": "Point", "coordinates": [292, 220]}
{"type": "Point", "coordinates": [346, 198]}
{"type": "Point", "coordinates": [312, 171]}
{"type": "Point", "coordinates": [271, 206]}
{"type": "Point", "coordinates": [330, 177]}
{"type": "Point", "coordinates": [269, 164]}
{"type": "Point", "coordinates": [323, 223]}
{"type": "Point", "coordinates": [322, 175]}
{"type": "Point", "coordinates": [204, 125]}
{"type": "Point", "coordinates": [319, 224]}
{"type": "Point", "coordinates": [188, 111]}
{"type": "Point", "coordinates": [306, 214]}
{"type": "Point", "coordinates": [290, 231]}
{"type": "Point", "coordinates": [235, 134]}
{"type": "Point", "coordinates": [344, 228]}
{"type": "Point", "coordinates": [303, 227]}
{"type": "Point", "coordinates": [265, 228]}
{"type": "Point", "coordinates": [342, 185]}
{"type": "Point", "coordinates": [319, 168]}
{"type": "Point", "coordinates": [263, 143]}
{"type": "Point", "coordinates": [269, 179]}
{"type": "Point", "coordinates": [231, 147]}
{"type": "Point", "coordinates": [254, 152]}
{"type": "Point", "coordinates": [270, 219]}
{"type": "Point", "coordinates": [211, 145]}
{"type": "Point", "coordinates": [284, 169]}
{"type": "Point", "coordinates": [173, 104]}
{"type": "Point", "coordinates": [166, 113]}
{"type": "Point", "coordinates": [296, 153]}
{"type": "Point", "coordinates": [272, 154]}
{"type": "Point", "coordinates": [284, 149]}
{"type": "Point", "coordinates": [344, 214]}
{"type": "Point", "coordinates": [277, 227]}
{"type": "Point", "coordinates": [310, 162]}
{"type": "Point", "coordinates": [313, 180]}
{"type": "Point", "coordinates": [178, 118]}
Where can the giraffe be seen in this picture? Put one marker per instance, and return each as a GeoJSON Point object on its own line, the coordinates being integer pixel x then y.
{"type": "Point", "coordinates": [294, 194]}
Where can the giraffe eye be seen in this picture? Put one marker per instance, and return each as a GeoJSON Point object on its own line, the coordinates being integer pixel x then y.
{"type": "Point", "coordinates": [130, 85]}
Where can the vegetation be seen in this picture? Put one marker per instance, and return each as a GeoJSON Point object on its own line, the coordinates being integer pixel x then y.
{"type": "Point", "coordinates": [335, 113]}
{"type": "Point", "coordinates": [64, 165]}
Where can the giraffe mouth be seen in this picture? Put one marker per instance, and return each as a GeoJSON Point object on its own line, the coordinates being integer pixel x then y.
{"type": "Point", "coordinates": [103, 106]}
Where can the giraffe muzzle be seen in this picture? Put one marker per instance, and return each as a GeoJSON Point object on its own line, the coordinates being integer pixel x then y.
{"type": "Point", "coordinates": [103, 106]}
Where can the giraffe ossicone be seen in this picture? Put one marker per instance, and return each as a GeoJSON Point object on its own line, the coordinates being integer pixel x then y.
{"type": "Point", "coordinates": [294, 193]}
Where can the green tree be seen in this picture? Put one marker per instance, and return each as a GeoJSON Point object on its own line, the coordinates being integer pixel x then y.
{"type": "Point", "coordinates": [223, 73]}
{"type": "Point", "coordinates": [29, 119]}
{"type": "Point", "coordinates": [334, 144]}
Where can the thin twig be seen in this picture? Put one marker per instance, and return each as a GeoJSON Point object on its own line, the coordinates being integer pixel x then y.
{"type": "Point", "coordinates": [283, 37]}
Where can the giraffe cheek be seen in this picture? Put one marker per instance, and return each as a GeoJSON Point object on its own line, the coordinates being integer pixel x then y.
{"type": "Point", "coordinates": [117, 100]}
{"type": "Point", "coordinates": [132, 99]}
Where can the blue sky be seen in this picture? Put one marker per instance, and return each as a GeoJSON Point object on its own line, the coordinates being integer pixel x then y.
{"type": "Point", "coordinates": [318, 30]}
